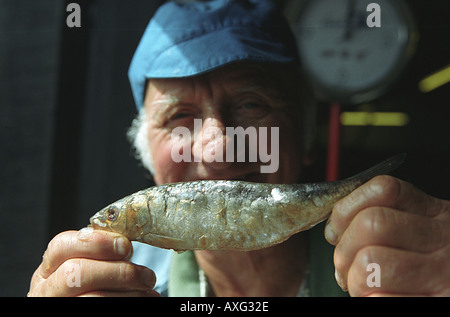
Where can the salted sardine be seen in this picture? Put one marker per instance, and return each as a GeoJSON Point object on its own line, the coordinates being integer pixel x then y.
{"type": "Point", "coordinates": [227, 214]}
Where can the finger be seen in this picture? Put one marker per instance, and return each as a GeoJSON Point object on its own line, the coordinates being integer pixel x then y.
{"type": "Point", "coordinates": [391, 228]}
{"type": "Point", "coordinates": [80, 276]}
{"type": "Point", "coordinates": [86, 243]}
{"type": "Point", "coordinates": [383, 191]}
{"type": "Point", "coordinates": [36, 279]}
{"type": "Point", "coordinates": [383, 270]}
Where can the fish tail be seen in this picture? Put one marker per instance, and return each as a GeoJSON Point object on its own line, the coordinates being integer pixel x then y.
{"type": "Point", "coordinates": [385, 167]}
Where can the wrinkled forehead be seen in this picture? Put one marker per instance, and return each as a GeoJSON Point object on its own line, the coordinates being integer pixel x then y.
{"type": "Point", "coordinates": [239, 77]}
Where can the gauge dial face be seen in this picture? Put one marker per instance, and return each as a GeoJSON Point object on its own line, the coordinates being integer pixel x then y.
{"type": "Point", "coordinates": [345, 57]}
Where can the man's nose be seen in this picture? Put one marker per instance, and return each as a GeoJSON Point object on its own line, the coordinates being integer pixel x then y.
{"type": "Point", "coordinates": [211, 143]}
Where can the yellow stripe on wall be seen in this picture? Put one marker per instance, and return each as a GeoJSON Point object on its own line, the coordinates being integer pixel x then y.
{"type": "Point", "coordinates": [385, 119]}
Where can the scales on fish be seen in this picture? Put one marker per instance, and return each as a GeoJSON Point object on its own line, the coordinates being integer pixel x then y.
{"type": "Point", "coordinates": [227, 214]}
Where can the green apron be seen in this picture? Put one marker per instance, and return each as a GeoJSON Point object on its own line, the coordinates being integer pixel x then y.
{"type": "Point", "coordinates": [185, 276]}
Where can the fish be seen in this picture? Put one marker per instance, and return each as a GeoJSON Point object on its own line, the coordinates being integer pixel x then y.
{"type": "Point", "coordinates": [227, 214]}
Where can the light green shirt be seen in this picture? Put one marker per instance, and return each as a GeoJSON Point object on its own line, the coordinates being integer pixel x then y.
{"type": "Point", "coordinates": [186, 279]}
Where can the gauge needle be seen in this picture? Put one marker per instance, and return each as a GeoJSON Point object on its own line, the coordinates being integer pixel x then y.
{"type": "Point", "coordinates": [351, 8]}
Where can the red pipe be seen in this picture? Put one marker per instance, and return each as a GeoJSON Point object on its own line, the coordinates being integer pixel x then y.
{"type": "Point", "coordinates": [334, 140]}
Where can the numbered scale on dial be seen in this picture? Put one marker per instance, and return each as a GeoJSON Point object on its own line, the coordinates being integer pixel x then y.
{"type": "Point", "coordinates": [352, 50]}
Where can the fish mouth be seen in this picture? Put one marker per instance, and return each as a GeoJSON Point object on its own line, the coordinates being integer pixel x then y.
{"type": "Point", "coordinates": [96, 222]}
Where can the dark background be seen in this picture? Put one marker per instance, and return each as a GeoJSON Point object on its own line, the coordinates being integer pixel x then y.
{"type": "Point", "coordinates": [65, 105]}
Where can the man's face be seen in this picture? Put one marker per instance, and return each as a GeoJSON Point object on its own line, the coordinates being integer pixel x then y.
{"type": "Point", "coordinates": [242, 95]}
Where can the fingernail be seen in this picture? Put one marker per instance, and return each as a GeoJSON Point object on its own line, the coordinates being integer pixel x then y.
{"type": "Point", "coordinates": [339, 280]}
{"type": "Point", "coordinates": [120, 247]}
{"type": "Point", "coordinates": [329, 234]}
{"type": "Point", "coordinates": [85, 234]}
{"type": "Point", "coordinates": [337, 277]}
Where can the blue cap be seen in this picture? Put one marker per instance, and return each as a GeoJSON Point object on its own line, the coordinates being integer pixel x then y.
{"type": "Point", "coordinates": [187, 39]}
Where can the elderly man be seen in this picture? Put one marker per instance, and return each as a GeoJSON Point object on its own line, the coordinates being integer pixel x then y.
{"type": "Point", "coordinates": [234, 64]}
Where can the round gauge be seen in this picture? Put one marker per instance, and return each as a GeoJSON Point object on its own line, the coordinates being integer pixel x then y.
{"type": "Point", "coordinates": [353, 49]}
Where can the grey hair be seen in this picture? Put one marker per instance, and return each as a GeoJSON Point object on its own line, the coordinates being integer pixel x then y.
{"type": "Point", "coordinates": [137, 134]}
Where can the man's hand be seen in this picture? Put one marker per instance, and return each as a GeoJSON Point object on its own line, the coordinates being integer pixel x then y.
{"type": "Point", "coordinates": [90, 263]}
{"type": "Point", "coordinates": [403, 230]}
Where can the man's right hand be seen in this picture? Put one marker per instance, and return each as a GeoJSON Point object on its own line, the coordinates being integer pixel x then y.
{"type": "Point", "coordinates": [90, 263]}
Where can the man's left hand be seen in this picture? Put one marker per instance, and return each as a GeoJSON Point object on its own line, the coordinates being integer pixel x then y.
{"type": "Point", "coordinates": [391, 240]}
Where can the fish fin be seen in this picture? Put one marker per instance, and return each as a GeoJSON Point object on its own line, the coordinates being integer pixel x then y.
{"type": "Point", "coordinates": [164, 242]}
{"type": "Point", "coordinates": [385, 167]}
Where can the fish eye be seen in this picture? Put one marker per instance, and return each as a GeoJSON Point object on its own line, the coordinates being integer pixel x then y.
{"type": "Point", "coordinates": [112, 214]}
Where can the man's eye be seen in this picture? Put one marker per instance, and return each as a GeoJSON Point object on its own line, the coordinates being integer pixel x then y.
{"type": "Point", "coordinates": [251, 106]}
{"type": "Point", "coordinates": [253, 109]}
{"type": "Point", "coordinates": [180, 115]}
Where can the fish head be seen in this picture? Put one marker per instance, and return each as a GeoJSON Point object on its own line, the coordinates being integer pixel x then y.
{"type": "Point", "coordinates": [125, 216]}
{"type": "Point", "coordinates": [110, 218]}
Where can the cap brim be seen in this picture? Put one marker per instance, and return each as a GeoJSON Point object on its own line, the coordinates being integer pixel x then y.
{"type": "Point", "coordinates": [206, 53]}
